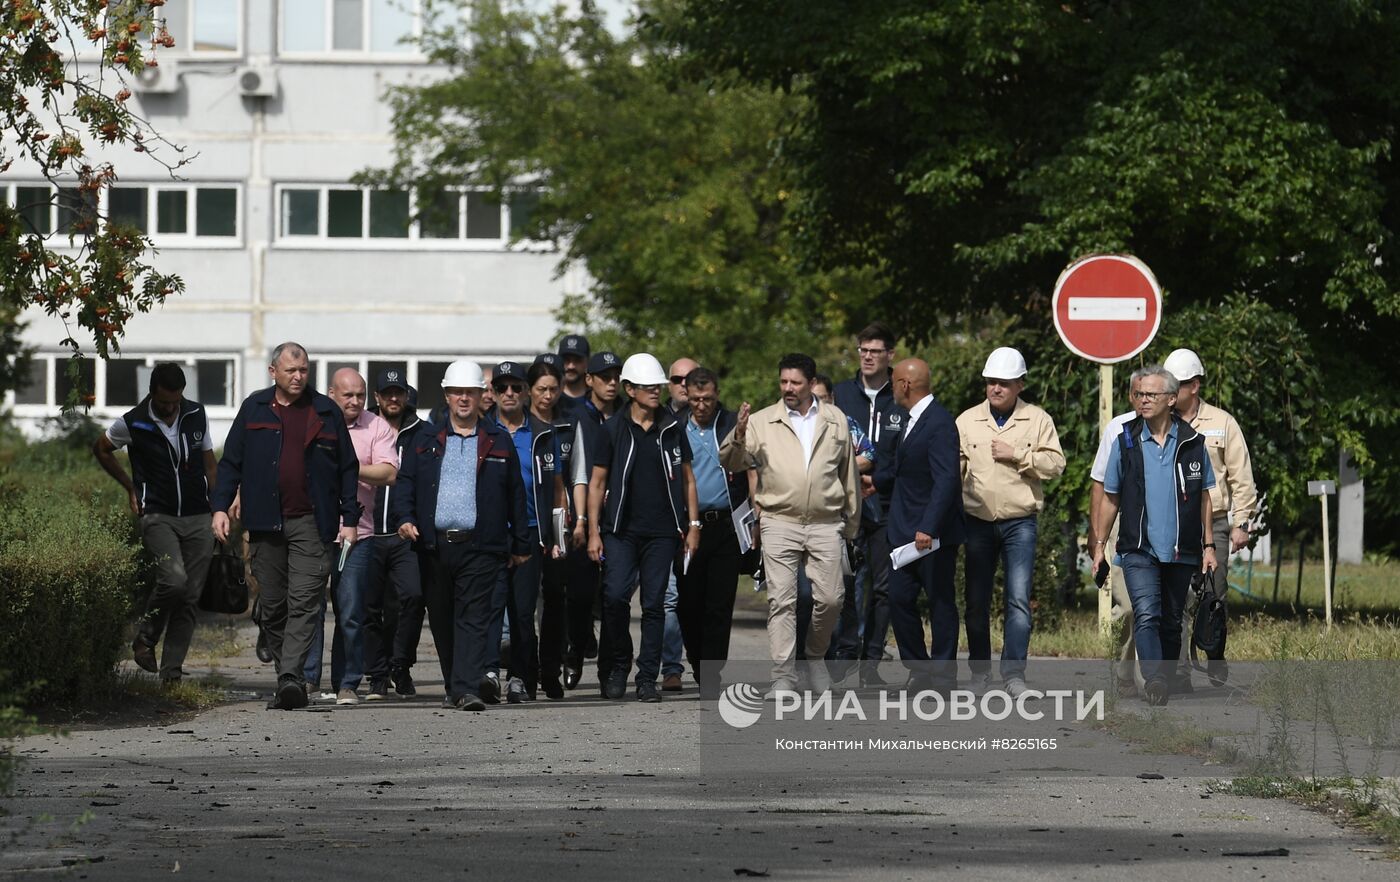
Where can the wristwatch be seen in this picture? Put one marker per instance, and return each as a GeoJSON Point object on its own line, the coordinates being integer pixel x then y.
{"type": "Point", "coordinates": [1210, 545]}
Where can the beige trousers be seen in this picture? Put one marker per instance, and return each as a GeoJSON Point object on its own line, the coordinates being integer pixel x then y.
{"type": "Point", "coordinates": [788, 547]}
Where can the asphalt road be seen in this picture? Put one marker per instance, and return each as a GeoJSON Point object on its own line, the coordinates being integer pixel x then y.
{"type": "Point", "coordinates": [600, 790]}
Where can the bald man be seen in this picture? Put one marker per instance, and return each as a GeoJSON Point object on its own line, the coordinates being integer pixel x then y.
{"type": "Point", "coordinates": [375, 448]}
{"type": "Point", "coordinates": [921, 482]}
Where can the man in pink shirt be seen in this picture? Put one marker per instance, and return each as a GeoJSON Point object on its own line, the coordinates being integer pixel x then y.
{"type": "Point", "coordinates": [374, 444]}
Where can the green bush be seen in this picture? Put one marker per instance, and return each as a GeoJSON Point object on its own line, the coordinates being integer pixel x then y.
{"type": "Point", "coordinates": [68, 564]}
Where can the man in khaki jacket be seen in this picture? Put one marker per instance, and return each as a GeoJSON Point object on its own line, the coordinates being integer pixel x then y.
{"type": "Point", "coordinates": [1233, 499]}
{"type": "Point", "coordinates": [808, 499]}
{"type": "Point", "coordinates": [1007, 448]}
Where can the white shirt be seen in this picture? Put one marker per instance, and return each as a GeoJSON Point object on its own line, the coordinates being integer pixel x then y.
{"type": "Point", "coordinates": [914, 413]}
{"type": "Point", "coordinates": [1115, 428]}
{"type": "Point", "coordinates": [120, 434]}
{"type": "Point", "coordinates": [805, 425]}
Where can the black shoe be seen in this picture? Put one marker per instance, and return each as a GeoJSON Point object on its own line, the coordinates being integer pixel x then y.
{"type": "Point", "coordinates": [572, 675]}
{"type": "Point", "coordinates": [449, 702]}
{"type": "Point", "coordinates": [553, 689]}
{"type": "Point", "coordinates": [489, 689]}
{"type": "Point", "coordinates": [515, 691]}
{"type": "Point", "coordinates": [1155, 692]}
{"type": "Point", "coordinates": [471, 702]}
{"type": "Point", "coordinates": [615, 686]}
{"type": "Point", "coordinates": [647, 691]}
{"type": "Point", "coordinates": [378, 689]}
{"type": "Point", "coordinates": [590, 650]}
{"type": "Point", "coordinates": [870, 675]}
{"type": "Point", "coordinates": [145, 655]}
{"type": "Point", "coordinates": [263, 650]}
{"type": "Point", "coordinates": [291, 695]}
{"type": "Point", "coordinates": [403, 682]}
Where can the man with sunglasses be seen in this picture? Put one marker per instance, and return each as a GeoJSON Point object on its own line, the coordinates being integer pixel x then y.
{"type": "Point", "coordinates": [641, 503]}
{"type": "Point", "coordinates": [1007, 448]}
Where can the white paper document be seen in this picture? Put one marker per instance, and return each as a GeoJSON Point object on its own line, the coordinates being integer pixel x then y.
{"type": "Point", "coordinates": [906, 554]}
{"type": "Point", "coordinates": [561, 529]}
{"type": "Point", "coordinates": [743, 526]}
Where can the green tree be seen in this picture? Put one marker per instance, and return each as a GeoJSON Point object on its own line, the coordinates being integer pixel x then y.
{"type": "Point", "coordinates": [967, 151]}
{"type": "Point", "coordinates": [666, 192]}
{"type": "Point", "coordinates": [54, 108]}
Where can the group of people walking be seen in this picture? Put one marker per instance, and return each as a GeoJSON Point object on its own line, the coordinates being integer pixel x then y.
{"type": "Point", "coordinates": [552, 493]}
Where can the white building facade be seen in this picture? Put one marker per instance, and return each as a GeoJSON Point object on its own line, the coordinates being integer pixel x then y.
{"type": "Point", "coordinates": [282, 102]}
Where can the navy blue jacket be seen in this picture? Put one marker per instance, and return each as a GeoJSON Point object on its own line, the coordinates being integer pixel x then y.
{"type": "Point", "coordinates": [169, 481]}
{"type": "Point", "coordinates": [923, 483]}
{"type": "Point", "coordinates": [251, 452]}
{"type": "Point", "coordinates": [545, 463]}
{"type": "Point", "coordinates": [501, 523]}
{"type": "Point", "coordinates": [882, 424]}
{"type": "Point", "coordinates": [410, 427]}
{"type": "Point", "coordinates": [1191, 459]}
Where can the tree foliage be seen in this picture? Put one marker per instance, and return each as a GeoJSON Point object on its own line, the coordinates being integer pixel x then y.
{"type": "Point", "coordinates": [967, 151]}
{"type": "Point", "coordinates": [59, 107]}
{"type": "Point", "coordinates": [668, 193]}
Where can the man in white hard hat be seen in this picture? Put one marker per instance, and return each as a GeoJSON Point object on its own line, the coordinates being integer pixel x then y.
{"type": "Point", "coordinates": [808, 500]}
{"type": "Point", "coordinates": [642, 505]}
{"type": "Point", "coordinates": [1008, 447]}
{"type": "Point", "coordinates": [461, 499]}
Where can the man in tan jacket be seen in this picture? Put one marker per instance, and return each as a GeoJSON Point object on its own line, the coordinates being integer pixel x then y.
{"type": "Point", "coordinates": [808, 500]}
{"type": "Point", "coordinates": [1007, 448]}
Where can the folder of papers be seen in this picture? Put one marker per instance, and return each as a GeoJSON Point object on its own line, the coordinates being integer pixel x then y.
{"type": "Point", "coordinates": [907, 554]}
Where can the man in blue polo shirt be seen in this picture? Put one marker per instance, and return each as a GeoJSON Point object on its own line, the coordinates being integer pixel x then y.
{"type": "Point", "coordinates": [1158, 477]}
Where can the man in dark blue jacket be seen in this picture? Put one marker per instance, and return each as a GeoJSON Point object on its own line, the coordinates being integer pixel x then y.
{"type": "Point", "coordinates": [461, 498]}
{"type": "Point", "coordinates": [868, 398]}
{"type": "Point", "coordinates": [924, 487]}
{"type": "Point", "coordinates": [289, 460]}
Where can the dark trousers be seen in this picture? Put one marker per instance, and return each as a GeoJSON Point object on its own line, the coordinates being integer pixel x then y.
{"type": "Point", "coordinates": [705, 601]}
{"type": "Point", "coordinates": [634, 561]}
{"type": "Point", "coordinates": [437, 607]}
{"type": "Point", "coordinates": [931, 575]}
{"type": "Point", "coordinates": [584, 586]}
{"type": "Point", "coordinates": [553, 617]}
{"type": "Point", "coordinates": [877, 596]}
{"type": "Point", "coordinates": [471, 576]}
{"type": "Point", "coordinates": [395, 607]}
{"type": "Point", "coordinates": [291, 568]}
{"type": "Point", "coordinates": [523, 598]}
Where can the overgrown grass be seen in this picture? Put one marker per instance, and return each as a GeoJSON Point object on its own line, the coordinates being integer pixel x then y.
{"type": "Point", "coordinates": [1159, 733]}
{"type": "Point", "coordinates": [134, 698]}
{"type": "Point", "coordinates": [1367, 803]}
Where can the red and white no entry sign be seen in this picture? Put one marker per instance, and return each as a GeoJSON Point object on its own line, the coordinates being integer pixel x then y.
{"type": "Point", "coordinates": [1107, 307]}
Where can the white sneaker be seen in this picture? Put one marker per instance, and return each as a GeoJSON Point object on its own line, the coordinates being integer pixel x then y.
{"type": "Point", "coordinates": [347, 696]}
{"type": "Point", "coordinates": [818, 677]}
{"type": "Point", "coordinates": [779, 687]}
{"type": "Point", "coordinates": [1016, 687]}
{"type": "Point", "coordinates": [980, 684]}
{"type": "Point", "coordinates": [326, 696]}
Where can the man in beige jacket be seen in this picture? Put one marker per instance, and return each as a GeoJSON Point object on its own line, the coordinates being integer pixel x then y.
{"type": "Point", "coordinates": [808, 501]}
{"type": "Point", "coordinates": [1007, 448]}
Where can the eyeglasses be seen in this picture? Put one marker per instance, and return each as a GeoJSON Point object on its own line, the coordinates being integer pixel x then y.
{"type": "Point", "coordinates": [1139, 395]}
{"type": "Point", "coordinates": [869, 352]}
{"type": "Point", "coordinates": [503, 388]}
{"type": "Point", "coordinates": [654, 388]}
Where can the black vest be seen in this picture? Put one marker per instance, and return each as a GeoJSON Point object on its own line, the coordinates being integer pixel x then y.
{"type": "Point", "coordinates": [169, 481]}
{"type": "Point", "coordinates": [1188, 484]}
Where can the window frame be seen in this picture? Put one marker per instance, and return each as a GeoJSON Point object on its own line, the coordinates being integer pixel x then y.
{"type": "Point", "coordinates": [411, 54]}
{"type": "Point", "coordinates": [188, 239]}
{"type": "Point", "coordinates": [414, 241]}
{"type": "Point", "coordinates": [100, 409]}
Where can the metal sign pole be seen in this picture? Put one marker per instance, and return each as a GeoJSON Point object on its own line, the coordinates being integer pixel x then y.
{"type": "Point", "coordinates": [1105, 416]}
{"type": "Point", "coordinates": [1322, 489]}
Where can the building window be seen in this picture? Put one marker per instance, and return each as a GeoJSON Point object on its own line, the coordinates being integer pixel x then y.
{"type": "Point", "coordinates": [35, 390]}
{"type": "Point", "coordinates": [203, 26]}
{"type": "Point", "coordinates": [118, 384]}
{"type": "Point", "coordinates": [471, 219]}
{"type": "Point", "coordinates": [124, 386]}
{"type": "Point", "coordinates": [161, 211]}
{"type": "Point", "coordinates": [366, 27]}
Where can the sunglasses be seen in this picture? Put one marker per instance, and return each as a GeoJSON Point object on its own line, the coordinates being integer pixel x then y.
{"type": "Point", "coordinates": [502, 388]}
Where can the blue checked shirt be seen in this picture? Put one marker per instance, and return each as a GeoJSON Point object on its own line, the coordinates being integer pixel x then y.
{"type": "Point", "coordinates": [456, 504]}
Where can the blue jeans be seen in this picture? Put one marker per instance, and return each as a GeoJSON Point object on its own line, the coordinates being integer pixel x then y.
{"type": "Point", "coordinates": [1158, 594]}
{"type": "Point", "coordinates": [634, 561]}
{"type": "Point", "coordinates": [1014, 541]}
{"type": "Point", "coordinates": [672, 646]}
{"type": "Point", "coordinates": [349, 597]}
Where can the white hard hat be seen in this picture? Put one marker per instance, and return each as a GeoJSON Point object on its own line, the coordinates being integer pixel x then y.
{"type": "Point", "coordinates": [463, 375]}
{"type": "Point", "coordinates": [1184, 365]}
{"type": "Point", "coordinates": [1004, 363]}
{"type": "Point", "coordinates": [643, 369]}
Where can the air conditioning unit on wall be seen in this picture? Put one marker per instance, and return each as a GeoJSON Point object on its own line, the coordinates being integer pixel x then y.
{"type": "Point", "coordinates": [161, 80]}
{"type": "Point", "coordinates": [257, 82]}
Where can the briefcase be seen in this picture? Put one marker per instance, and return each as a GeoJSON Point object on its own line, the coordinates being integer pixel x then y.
{"type": "Point", "coordinates": [1209, 630]}
{"type": "Point", "coordinates": [225, 589]}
